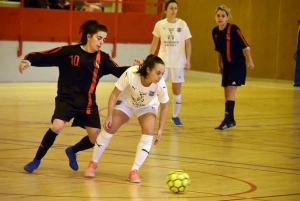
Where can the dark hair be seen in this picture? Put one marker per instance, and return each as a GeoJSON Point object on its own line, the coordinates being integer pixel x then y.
{"type": "Point", "coordinates": [150, 62]}
{"type": "Point", "coordinates": [168, 2]}
{"type": "Point", "coordinates": [90, 27]}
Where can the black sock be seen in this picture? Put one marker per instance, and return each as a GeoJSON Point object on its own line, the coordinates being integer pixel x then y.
{"type": "Point", "coordinates": [84, 144]}
{"type": "Point", "coordinates": [230, 110]}
{"type": "Point", "coordinates": [46, 143]}
{"type": "Point", "coordinates": [226, 116]}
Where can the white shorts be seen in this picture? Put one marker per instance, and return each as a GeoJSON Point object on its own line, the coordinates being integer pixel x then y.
{"type": "Point", "coordinates": [175, 75]}
{"type": "Point", "coordinates": [121, 105]}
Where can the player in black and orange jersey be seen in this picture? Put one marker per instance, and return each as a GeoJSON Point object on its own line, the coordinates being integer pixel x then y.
{"type": "Point", "coordinates": [231, 48]}
{"type": "Point", "coordinates": [80, 68]}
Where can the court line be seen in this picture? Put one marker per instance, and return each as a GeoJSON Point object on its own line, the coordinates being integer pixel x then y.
{"type": "Point", "coordinates": [184, 157]}
{"type": "Point", "coordinates": [268, 196]}
{"type": "Point", "coordinates": [252, 188]}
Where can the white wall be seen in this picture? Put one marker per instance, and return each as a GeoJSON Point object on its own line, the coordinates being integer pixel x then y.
{"type": "Point", "coordinates": [9, 61]}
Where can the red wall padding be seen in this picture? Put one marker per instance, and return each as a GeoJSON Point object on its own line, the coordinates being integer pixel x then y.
{"type": "Point", "coordinates": [132, 7]}
{"type": "Point", "coordinates": [54, 25]}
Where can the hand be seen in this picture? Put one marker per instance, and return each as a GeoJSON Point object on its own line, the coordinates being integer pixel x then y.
{"type": "Point", "coordinates": [250, 65]}
{"type": "Point", "coordinates": [96, 64]}
{"type": "Point", "coordinates": [220, 69]}
{"type": "Point", "coordinates": [137, 62]}
{"type": "Point", "coordinates": [22, 66]}
{"type": "Point", "coordinates": [107, 124]}
{"type": "Point", "coordinates": [187, 66]}
{"type": "Point", "coordinates": [158, 137]}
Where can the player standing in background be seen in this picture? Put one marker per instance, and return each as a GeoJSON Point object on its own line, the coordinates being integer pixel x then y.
{"type": "Point", "coordinates": [140, 90]}
{"type": "Point", "coordinates": [80, 68]}
{"type": "Point", "coordinates": [231, 48]}
{"type": "Point", "coordinates": [175, 49]}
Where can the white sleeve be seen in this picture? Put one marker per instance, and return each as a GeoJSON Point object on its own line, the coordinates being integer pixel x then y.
{"type": "Point", "coordinates": [187, 33]}
{"type": "Point", "coordinates": [162, 93]}
{"type": "Point", "coordinates": [155, 32]}
{"type": "Point", "coordinates": [123, 81]}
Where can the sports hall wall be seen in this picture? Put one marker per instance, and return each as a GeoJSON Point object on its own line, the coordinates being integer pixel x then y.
{"type": "Point", "coordinates": [44, 29]}
{"type": "Point", "coordinates": [270, 27]}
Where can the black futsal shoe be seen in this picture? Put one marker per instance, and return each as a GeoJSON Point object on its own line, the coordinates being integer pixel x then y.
{"type": "Point", "coordinates": [225, 125]}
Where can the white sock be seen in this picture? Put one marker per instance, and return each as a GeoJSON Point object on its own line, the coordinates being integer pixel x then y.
{"type": "Point", "coordinates": [176, 105]}
{"type": "Point", "coordinates": [101, 144]}
{"type": "Point", "coordinates": [142, 151]}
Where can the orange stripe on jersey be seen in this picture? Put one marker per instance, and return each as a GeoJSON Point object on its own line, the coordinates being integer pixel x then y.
{"type": "Point", "coordinates": [228, 43]}
{"type": "Point", "coordinates": [114, 62]}
{"type": "Point", "coordinates": [93, 84]}
{"type": "Point", "coordinates": [53, 50]}
{"type": "Point", "coordinates": [242, 37]}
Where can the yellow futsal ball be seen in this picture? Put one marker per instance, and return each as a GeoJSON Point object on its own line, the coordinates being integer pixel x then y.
{"type": "Point", "coordinates": [178, 181]}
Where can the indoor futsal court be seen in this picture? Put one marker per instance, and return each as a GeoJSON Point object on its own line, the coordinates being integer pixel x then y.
{"type": "Point", "coordinates": [257, 160]}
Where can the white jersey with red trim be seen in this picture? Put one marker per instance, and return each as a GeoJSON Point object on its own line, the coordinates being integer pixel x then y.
{"type": "Point", "coordinates": [137, 95]}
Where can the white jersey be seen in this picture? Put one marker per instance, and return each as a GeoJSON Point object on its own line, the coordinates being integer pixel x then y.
{"type": "Point", "coordinates": [138, 96]}
{"type": "Point", "coordinates": [172, 42]}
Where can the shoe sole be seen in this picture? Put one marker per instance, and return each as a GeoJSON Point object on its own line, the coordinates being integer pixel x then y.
{"type": "Point", "coordinates": [89, 175]}
{"type": "Point", "coordinates": [32, 170]}
{"type": "Point", "coordinates": [28, 171]}
{"type": "Point", "coordinates": [225, 128]}
{"type": "Point", "coordinates": [134, 181]}
{"type": "Point", "coordinates": [175, 124]}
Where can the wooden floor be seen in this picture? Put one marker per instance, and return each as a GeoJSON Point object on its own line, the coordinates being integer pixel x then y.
{"type": "Point", "coordinates": [259, 159]}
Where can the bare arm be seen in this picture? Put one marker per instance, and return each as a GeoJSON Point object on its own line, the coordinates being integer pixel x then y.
{"type": "Point", "coordinates": [249, 58]}
{"type": "Point", "coordinates": [188, 53]}
{"type": "Point", "coordinates": [154, 45]}
{"type": "Point", "coordinates": [162, 121]}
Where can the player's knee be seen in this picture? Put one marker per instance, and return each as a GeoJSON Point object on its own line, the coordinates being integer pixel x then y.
{"type": "Point", "coordinates": [56, 128]}
{"type": "Point", "coordinates": [148, 128]}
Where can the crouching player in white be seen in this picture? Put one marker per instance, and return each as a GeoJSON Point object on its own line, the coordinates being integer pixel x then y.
{"type": "Point", "coordinates": [140, 90]}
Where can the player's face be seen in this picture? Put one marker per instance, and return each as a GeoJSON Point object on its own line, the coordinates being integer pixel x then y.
{"type": "Point", "coordinates": [171, 11]}
{"type": "Point", "coordinates": [221, 17]}
{"type": "Point", "coordinates": [95, 41]}
{"type": "Point", "coordinates": [156, 73]}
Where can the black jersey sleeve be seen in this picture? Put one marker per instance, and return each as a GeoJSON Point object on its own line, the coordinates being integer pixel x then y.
{"type": "Point", "coordinates": [117, 72]}
{"type": "Point", "coordinates": [215, 37]}
{"type": "Point", "coordinates": [112, 67]}
{"type": "Point", "coordinates": [237, 35]}
{"type": "Point", "coordinates": [45, 58]}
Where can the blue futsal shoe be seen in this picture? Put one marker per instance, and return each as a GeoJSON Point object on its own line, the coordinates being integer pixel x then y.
{"type": "Point", "coordinates": [72, 158]}
{"type": "Point", "coordinates": [176, 121]}
{"type": "Point", "coordinates": [32, 165]}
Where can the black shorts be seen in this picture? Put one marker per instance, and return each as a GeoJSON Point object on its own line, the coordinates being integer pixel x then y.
{"type": "Point", "coordinates": [234, 74]}
{"type": "Point", "coordinates": [64, 111]}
